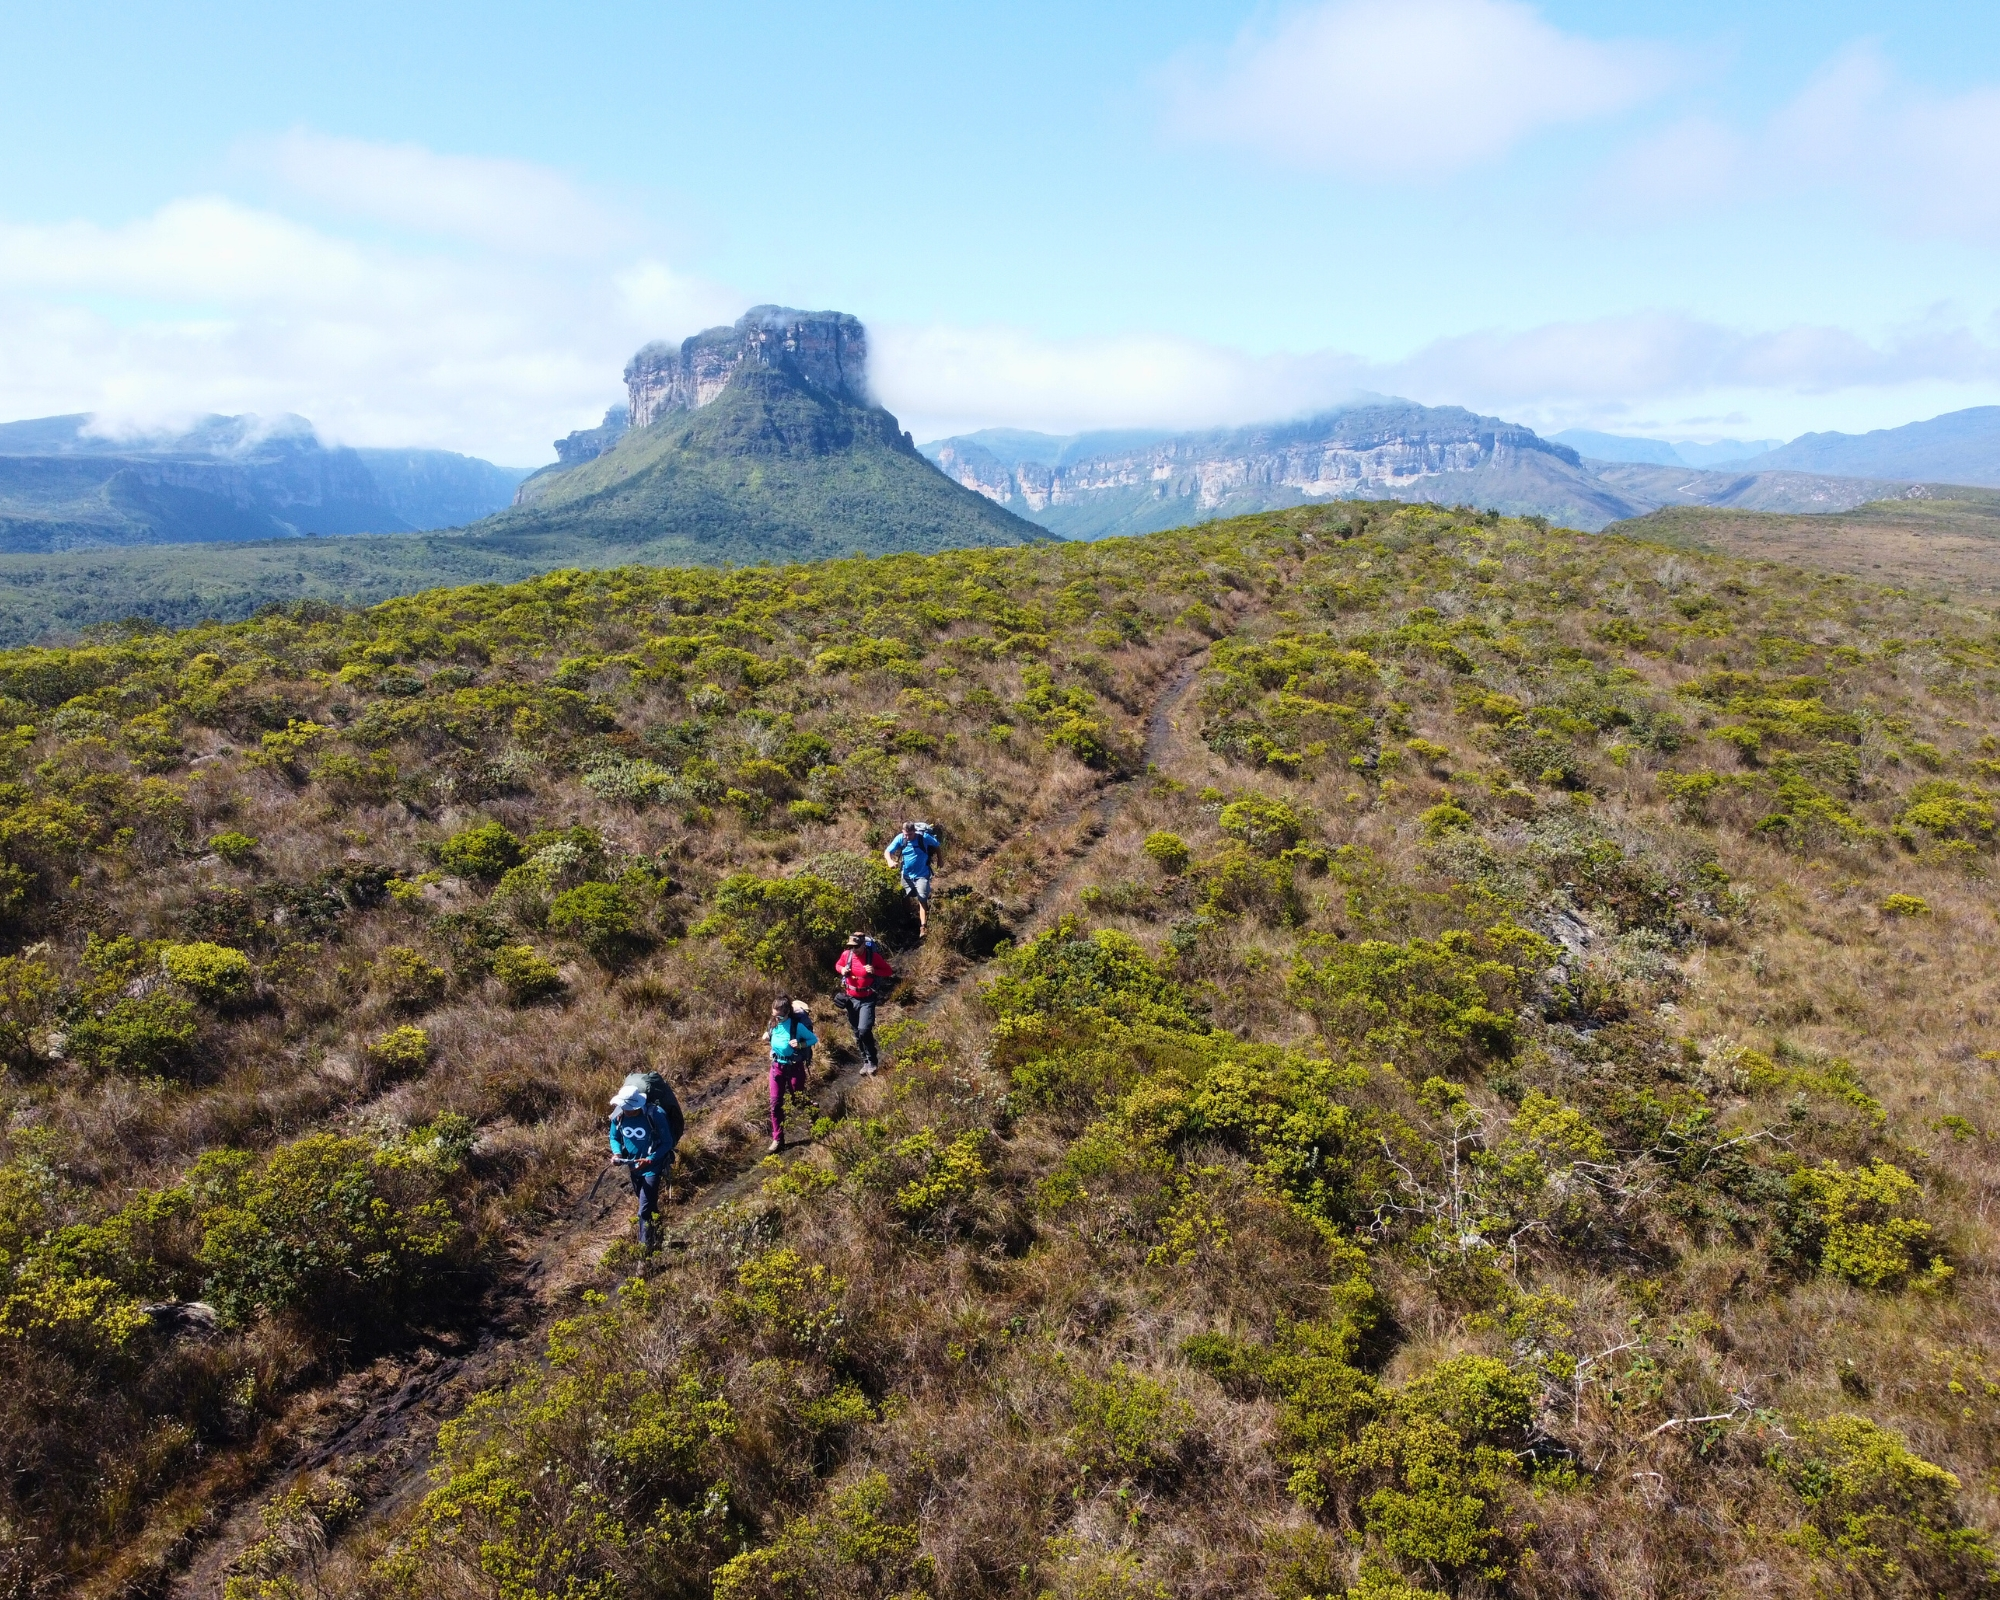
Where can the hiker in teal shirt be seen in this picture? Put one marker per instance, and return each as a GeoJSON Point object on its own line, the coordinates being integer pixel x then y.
{"type": "Point", "coordinates": [791, 1039]}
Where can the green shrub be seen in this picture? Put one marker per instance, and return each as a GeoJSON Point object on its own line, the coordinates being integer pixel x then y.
{"type": "Point", "coordinates": [792, 925]}
{"type": "Point", "coordinates": [1167, 851]}
{"type": "Point", "coordinates": [485, 851]}
{"type": "Point", "coordinates": [1447, 1002]}
{"type": "Point", "coordinates": [526, 975]}
{"type": "Point", "coordinates": [30, 992]}
{"type": "Point", "coordinates": [969, 922]}
{"type": "Point", "coordinates": [850, 1551]}
{"type": "Point", "coordinates": [401, 1051]}
{"type": "Point", "coordinates": [349, 780]}
{"type": "Point", "coordinates": [214, 974]}
{"type": "Point", "coordinates": [1267, 826]}
{"type": "Point", "coordinates": [152, 1034]}
{"type": "Point", "coordinates": [582, 1472]}
{"type": "Point", "coordinates": [1939, 808]}
{"type": "Point", "coordinates": [1444, 818]}
{"type": "Point", "coordinates": [1124, 1424]}
{"type": "Point", "coordinates": [598, 917]}
{"type": "Point", "coordinates": [1877, 1509]}
{"type": "Point", "coordinates": [329, 1227]}
{"type": "Point", "coordinates": [1851, 1223]}
{"type": "Point", "coordinates": [408, 979]}
{"type": "Point", "coordinates": [238, 849]}
{"type": "Point", "coordinates": [1906, 905]}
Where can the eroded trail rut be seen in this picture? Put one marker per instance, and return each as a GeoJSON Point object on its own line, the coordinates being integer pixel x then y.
{"type": "Point", "coordinates": [377, 1428]}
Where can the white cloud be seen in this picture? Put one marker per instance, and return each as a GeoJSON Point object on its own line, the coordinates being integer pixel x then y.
{"type": "Point", "coordinates": [945, 380]}
{"type": "Point", "coordinates": [212, 305]}
{"type": "Point", "coordinates": [507, 205]}
{"type": "Point", "coordinates": [942, 380]}
{"type": "Point", "coordinates": [1387, 88]}
{"type": "Point", "coordinates": [1925, 162]}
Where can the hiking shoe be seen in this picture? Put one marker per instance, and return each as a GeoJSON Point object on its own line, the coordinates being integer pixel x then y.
{"type": "Point", "coordinates": [868, 1069]}
{"type": "Point", "coordinates": [777, 1145]}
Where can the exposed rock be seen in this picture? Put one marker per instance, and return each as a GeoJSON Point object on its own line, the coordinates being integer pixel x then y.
{"type": "Point", "coordinates": [587, 444]}
{"type": "Point", "coordinates": [184, 1319]}
{"type": "Point", "coordinates": [1133, 483]}
{"type": "Point", "coordinates": [828, 349]}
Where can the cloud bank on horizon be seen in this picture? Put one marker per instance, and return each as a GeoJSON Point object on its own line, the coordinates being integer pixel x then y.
{"type": "Point", "coordinates": [397, 294]}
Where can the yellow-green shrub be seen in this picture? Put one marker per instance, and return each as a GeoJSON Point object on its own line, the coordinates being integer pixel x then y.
{"type": "Point", "coordinates": [213, 973]}
{"type": "Point", "coordinates": [526, 974]}
{"type": "Point", "coordinates": [1851, 1223]}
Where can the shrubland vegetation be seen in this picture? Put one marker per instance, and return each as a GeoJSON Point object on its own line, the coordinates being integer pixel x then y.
{"type": "Point", "coordinates": [1503, 1109]}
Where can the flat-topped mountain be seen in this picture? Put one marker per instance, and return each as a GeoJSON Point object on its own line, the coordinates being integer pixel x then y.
{"type": "Point", "coordinates": [1089, 485]}
{"type": "Point", "coordinates": [1092, 484]}
{"type": "Point", "coordinates": [751, 442]}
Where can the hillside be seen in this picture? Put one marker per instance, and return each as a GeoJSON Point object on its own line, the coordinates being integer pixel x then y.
{"type": "Point", "coordinates": [63, 487]}
{"type": "Point", "coordinates": [1958, 447]}
{"type": "Point", "coordinates": [1455, 1058]}
{"type": "Point", "coordinates": [1944, 546]}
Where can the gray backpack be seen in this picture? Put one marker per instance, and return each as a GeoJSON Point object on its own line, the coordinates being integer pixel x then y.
{"type": "Point", "coordinates": [660, 1093]}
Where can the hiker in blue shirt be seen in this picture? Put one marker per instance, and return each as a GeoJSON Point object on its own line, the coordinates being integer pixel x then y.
{"type": "Point", "coordinates": [791, 1039]}
{"type": "Point", "coordinates": [914, 853]}
{"type": "Point", "coordinates": [645, 1126]}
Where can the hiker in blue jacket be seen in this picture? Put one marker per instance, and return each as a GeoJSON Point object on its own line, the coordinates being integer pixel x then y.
{"type": "Point", "coordinates": [914, 853]}
{"type": "Point", "coordinates": [643, 1137]}
{"type": "Point", "coordinates": [791, 1039]}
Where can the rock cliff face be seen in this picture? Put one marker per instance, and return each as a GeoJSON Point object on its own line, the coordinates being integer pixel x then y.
{"type": "Point", "coordinates": [587, 444]}
{"type": "Point", "coordinates": [827, 349]}
{"type": "Point", "coordinates": [1091, 485]}
{"type": "Point", "coordinates": [1096, 484]}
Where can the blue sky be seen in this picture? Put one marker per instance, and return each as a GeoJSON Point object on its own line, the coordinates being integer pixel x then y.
{"type": "Point", "coordinates": [450, 224]}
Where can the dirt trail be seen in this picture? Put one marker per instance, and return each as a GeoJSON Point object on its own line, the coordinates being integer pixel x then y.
{"type": "Point", "coordinates": [377, 1428]}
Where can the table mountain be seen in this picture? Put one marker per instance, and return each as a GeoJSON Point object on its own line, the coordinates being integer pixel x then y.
{"type": "Point", "coordinates": [750, 443]}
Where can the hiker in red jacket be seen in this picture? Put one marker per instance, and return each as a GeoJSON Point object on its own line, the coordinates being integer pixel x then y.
{"type": "Point", "coordinates": [863, 967]}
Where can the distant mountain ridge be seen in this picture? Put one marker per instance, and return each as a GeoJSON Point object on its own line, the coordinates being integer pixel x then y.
{"type": "Point", "coordinates": [1957, 447]}
{"type": "Point", "coordinates": [1090, 485]}
{"type": "Point", "coordinates": [1589, 443]}
{"type": "Point", "coordinates": [64, 485]}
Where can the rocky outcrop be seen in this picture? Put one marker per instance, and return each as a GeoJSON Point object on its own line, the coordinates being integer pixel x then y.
{"type": "Point", "coordinates": [827, 349]}
{"type": "Point", "coordinates": [1083, 486]}
{"type": "Point", "coordinates": [587, 444]}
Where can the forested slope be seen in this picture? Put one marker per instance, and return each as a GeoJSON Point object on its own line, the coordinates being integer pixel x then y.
{"type": "Point", "coordinates": [1501, 1107]}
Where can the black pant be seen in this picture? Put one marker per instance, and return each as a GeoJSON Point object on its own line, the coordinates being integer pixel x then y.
{"type": "Point", "coordinates": [646, 1186]}
{"type": "Point", "coordinates": [861, 1018]}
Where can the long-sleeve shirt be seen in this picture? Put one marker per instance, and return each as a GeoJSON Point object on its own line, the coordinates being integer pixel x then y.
{"type": "Point", "coordinates": [860, 969]}
{"type": "Point", "coordinates": [790, 1040]}
{"type": "Point", "coordinates": [641, 1134]}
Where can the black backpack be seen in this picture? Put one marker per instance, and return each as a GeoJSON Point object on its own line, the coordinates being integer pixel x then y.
{"type": "Point", "coordinates": [660, 1093]}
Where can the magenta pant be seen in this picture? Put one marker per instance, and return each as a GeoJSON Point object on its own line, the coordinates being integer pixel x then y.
{"type": "Point", "coordinates": [784, 1080]}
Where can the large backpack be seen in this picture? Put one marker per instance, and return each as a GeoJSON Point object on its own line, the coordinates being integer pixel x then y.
{"type": "Point", "coordinates": [660, 1093]}
{"type": "Point", "coordinates": [933, 840]}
